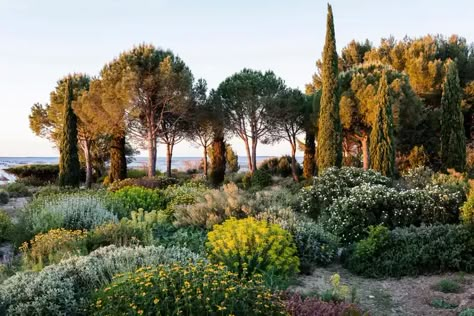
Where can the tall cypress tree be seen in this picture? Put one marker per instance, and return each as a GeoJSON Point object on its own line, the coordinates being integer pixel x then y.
{"type": "Point", "coordinates": [69, 167]}
{"type": "Point", "coordinates": [329, 147]}
{"type": "Point", "coordinates": [311, 130]}
{"type": "Point", "coordinates": [453, 140]}
{"type": "Point", "coordinates": [382, 145]}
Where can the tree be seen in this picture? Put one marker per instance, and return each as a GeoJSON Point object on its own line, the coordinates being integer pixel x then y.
{"type": "Point", "coordinates": [290, 122]}
{"type": "Point", "coordinates": [453, 142]}
{"type": "Point", "coordinates": [201, 123]}
{"type": "Point", "coordinates": [161, 85]}
{"type": "Point", "coordinates": [358, 106]}
{"type": "Point", "coordinates": [329, 148]}
{"type": "Point", "coordinates": [247, 99]}
{"type": "Point", "coordinates": [218, 146]}
{"type": "Point", "coordinates": [312, 104]}
{"type": "Point", "coordinates": [69, 167]}
{"type": "Point", "coordinates": [232, 159]}
{"type": "Point", "coordinates": [382, 145]}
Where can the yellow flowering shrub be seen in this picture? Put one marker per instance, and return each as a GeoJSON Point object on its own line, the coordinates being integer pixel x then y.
{"type": "Point", "coordinates": [249, 245]}
{"type": "Point", "coordinates": [52, 247]}
{"type": "Point", "coordinates": [189, 289]}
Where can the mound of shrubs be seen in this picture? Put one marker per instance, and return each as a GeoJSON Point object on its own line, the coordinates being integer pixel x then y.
{"type": "Point", "coordinates": [134, 197]}
{"type": "Point", "coordinates": [35, 173]}
{"type": "Point", "coordinates": [149, 183]}
{"type": "Point", "coordinates": [279, 166]}
{"type": "Point", "coordinates": [413, 251]}
{"type": "Point", "coordinates": [191, 289]}
{"type": "Point", "coordinates": [16, 189]}
{"type": "Point", "coordinates": [65, 288]}
{"type": "Point", "coordinates": [259, 179]}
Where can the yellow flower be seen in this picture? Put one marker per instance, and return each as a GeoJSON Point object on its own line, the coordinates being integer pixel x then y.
{"type": "Point", "coordinates": [155, 301]}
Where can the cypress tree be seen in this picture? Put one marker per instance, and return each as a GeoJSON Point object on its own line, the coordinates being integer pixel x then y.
{"type": "Point", "coordinates": [118, 160]}
{"type": "Point", "coordinates": [453, 140]}
{"type": "Point", "coordinates": [329, 150]}
{"type": "Point", "coordinates": [218, 160]}
{"type": "Point", "coordinates": [311, 130]}
{"type": "Point", "coordinates": [69, 167]}
{"type": "Point", "coordinates": [382, 145]}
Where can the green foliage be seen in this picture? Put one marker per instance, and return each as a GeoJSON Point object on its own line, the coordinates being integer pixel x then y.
{"type": "Point", "coordinates": [218, 159]}
{"type": "Point", "coordinates": [134, 198]}
{"type": "Point", "coordinates": [192, 238]}
{"type": "Point", "coordinates": [279, 166]}
{"type": "Point", "coordinates": [65, 288]}
{"type": "Point", "coordinates": [447, 286]}
{"type": "Point", "coordinates": [6, 226]}
{"type": "Point", "coordinates": [213, 207]}
{"type": "Point", "coordinates": [336, 183]}
{"type": "Point", "coordinates": [453, 139]}
{"type": "Point", "coordinates": [42, 173]}
{"type": "Point", "coordinates": [17, 189]}
{"type": "Point", "coordinates": [52, 247]}
{"type": "Point", "coordinates": [247, 246]}
{"type": "Point", "coordinates": [329, 124]}
{"type": "Point", "coordinates": [260, 179]}
{"type": "Point", "coordinates": [467, 312]}
{"type": "Point", "coordinates": [69, 167]}
{"type": "Point", "coordinates": [382, 144]}
{"type": "Point", "coordinates": [148, 183]}
{"type": "Point", "coordinates": [136, 173]}
{"type": "Point", "coordinates": [193, 289]}
{"type": "Point", "coordinates": [186, 194]}
{"type": "Point", "coordinates": [413, 251]}
{"type": "Point", "coordinates": [4, 196]}
{"type": "Point", "coordinates": [232, 159]}
{"type": "Point", "coordinates": [70, 211]}
{"type": "Point", "coordinates": [467, 211]}
{"type": "Point", "coordinates": [442, 304]}
{"type": "Point", "coordinates": [418, 157]}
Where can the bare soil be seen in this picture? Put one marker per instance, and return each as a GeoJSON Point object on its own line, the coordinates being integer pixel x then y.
{"type": "Point", "coordinates": [410, 296]}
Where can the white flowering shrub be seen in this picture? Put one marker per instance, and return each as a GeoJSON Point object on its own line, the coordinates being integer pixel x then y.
{"type": "Point", "coordinates": [65, 288]}
{"type": "Point", "coordinates": [336, 183]}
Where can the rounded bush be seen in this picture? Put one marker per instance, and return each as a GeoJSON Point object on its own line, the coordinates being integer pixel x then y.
{"type": "Point", "coordinates": [248, 245]}
{"type": "Point", "coordinates": [17, 189]}
{"type": "Point", "coordinates": [467, 211]}
{"type": "Point", "coordinates": [134, 198]}
{"type": "Point", "coordinates": [279, 166]}
{"type": "Point", "coordinates": [192, 289]}
{"type": "Point", "coordinates": [149, 183]}
{"type": "Point", "coordinates": [5, 226]}
{"type": "Point", "coordinates": [4, 197]}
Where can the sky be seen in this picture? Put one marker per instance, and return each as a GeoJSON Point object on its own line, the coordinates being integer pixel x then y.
{"type": "Point", "coordinates": [42, 41]}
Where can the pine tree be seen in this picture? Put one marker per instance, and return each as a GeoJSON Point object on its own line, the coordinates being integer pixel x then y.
{"type": "Point", "coordinates": [453, 140]}
{"type": "Point", "coordinates": [329, 146]}
{"type": "Point", "coordinates": [382, 145]}
{"type": "Point", "coordinates": [69, 167]}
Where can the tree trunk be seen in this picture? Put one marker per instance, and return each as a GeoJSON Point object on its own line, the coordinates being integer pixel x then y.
{"type": "Point", "coordinates": [205, 161]}
{"type": "Point", "coordinates": [86, 146]}
{"type": "Point", "coordinates": [151, 155]}
{"type": "Point", "coordinates": [169, 156]}
{"type": "Point", "coordinates": [254, 154]}
{"type": "Point", "coordinates": [293, 163]}
{"type": "Point", "coordinates": [249, 156]}
{"type": "Point", "coordinates": [365, 151]}
{"type": "Point", "coordinates": [118, 160]}
{"type": "Point", "coordinates": [309, 162]}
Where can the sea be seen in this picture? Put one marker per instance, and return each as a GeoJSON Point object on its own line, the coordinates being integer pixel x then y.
{"type": "Point", "coordinates": [180, 163]}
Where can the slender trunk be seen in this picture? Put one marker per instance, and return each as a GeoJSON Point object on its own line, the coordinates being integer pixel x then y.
{"type": "Point", "coordinates": [365, 151]}
{"type": "Point", "coordinates": [294, 172]}
{"type": "Point", "coordinates": [205, 161]}
{"type": "Point", "coordinates": [87, 156]}
{"type": "Point", "coordinates": [169, 156]}
{"type": "Point", "coordinates": [151, 154]}
{"type": "Point", "coordinates": [254, 154]}
{"type": "Point", "coordinates": [249, 156]}
{"type": "Point", "coordinates": [118, 160]}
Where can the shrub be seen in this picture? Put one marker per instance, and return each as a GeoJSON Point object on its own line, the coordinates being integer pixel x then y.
{"type": "Point", "coordinates": [48, 190]}
{"type": "Point", "coordinates": [5, 226]}
{"type": "Point", "coordinates": [417, 178]}
{"type": "Point", "coordinates": [17, 189]}
{"type": "Point", "coordinates": [312, 306]}
{"type": "Point", "coordinates": [148, 183]}
{"type": "Point", "coordinates": [41, 172]}
{"type": "Point", "coordinates": [52, 247]}
{"type": "Point", "coordinates": [4, 197]}
{"type": "Point", "coordinates": [212, 208]}
{"type": "Point", "coordinates": [70, 211]}
{"type": "Point", "coordinates": [260, 179]}
{"type": "Point", "coordinates": [136, 173]}
{"type": "Point", "coordinates": [193, 289]}
{"type": "Point", "coordinates": [413, 251]}
{"type": "Point", "coordinates": [447, 286]}
{"type": "Point", "coordinates": [65, 288]}
{"type": "Point", "coordinates": [273, 199]}
{"type": "Point", "coordinates": [366, 205]}
{"type": "Point", "coordinates": [336, 183]}
{"type": "Point", "coordinates": [442, 304]}
{"type": "Point", "coordinates": [467, 211]}
{"type": "Point", "coordinates": [124, 233]}
{"type": "Point", "coordinates": [134, 198]}
{"type": "Point", "coordinates": [248, 245]}
{"type": "Point", "coordinates": [279, 166]}
{"type": "Point", "coordinates": [467, 312]}
{"type": "Point", "coordinates": [185, 194]}
{"type": "Point", "coordinates": [192, 238]}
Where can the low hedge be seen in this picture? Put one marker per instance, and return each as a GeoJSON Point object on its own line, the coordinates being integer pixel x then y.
{"type": "Point", "coordinates": [42, 172]}
{"type": "Point", "coordinates": [412, 251]}
{"type": "Point", "coordinates": [149, 183]}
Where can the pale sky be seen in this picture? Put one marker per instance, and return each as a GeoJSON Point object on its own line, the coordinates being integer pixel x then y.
{"type": "Point", "coordinates": [41, 41]}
